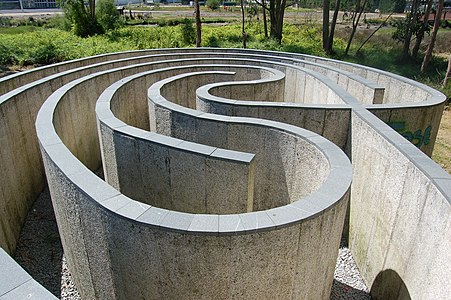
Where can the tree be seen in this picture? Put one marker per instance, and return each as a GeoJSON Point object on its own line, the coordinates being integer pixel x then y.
{"type": "Point", "coordinates": [107, 15]}
{"type": "Point", "coordinates": [359, 8]}
{"type": "Point", "coordinates": [424, 28]}
{"type": "Point", "coordinates": [243, 33]}
{"type": "Point", "coordinates": [276, 11]}
{"type": "Point", "coordinates": [83, 19]}
{"type": "Point", "coordinates": [448, 72]}
{"type": "Point", "coordinates": [330, 41]}
{"type": "Point", "coordinates": [326, 7]}
{"type": "Point", "coordinates": [198, 24]}
{"type": "Point", "coordinates": [437, 22]}
{"type": "Point", "coordinates": [265, 23]}
{"type": "Point", "coordinates": [410, 29]}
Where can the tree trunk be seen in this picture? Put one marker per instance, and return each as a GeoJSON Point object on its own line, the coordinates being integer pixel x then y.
{"type": "Point", "coordinates": [243, 33]}
{"type": "Point", "coordinates": [448, 72]}
{"type": "Point", "coordinates": [276, 11]}
{"type": "Point", "coordinates": [326, 7]}
{"type": "Point", "coordinates": [198, 24]}
{"type": "Point", "coordinates": [420, 34]}
{"type": "Point", "coordinates": [92, 8]}
{"type": "Point", "coordinates": [408, 37]}
{"type": "Point", "coordinates": [355, 22]}
{"type": "Point", "coordinates": [265, 23]}
{"type": "Point", "coordinates": [332, 27]}
{"type": "Point", "coordinates": [428, 55]}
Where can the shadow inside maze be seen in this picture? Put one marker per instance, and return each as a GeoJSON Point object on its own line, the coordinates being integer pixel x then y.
{"type": "Point", "coordinates": [39, 250]}
{"type": "Point", "coordinates": [342, 291]}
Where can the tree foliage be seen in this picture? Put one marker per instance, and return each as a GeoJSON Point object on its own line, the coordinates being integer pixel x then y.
{"type": "Point", "coordinates": [83, 19]}
{"type": "Point", "coordinates": [87, 21]}
{"type": "Point", "coordinates": [188, 32]}
{"type": "Point", "coordinates": [213, 4]}
{"type": "Point", "coordinates": [107, 15]}
{"type": "Point", "coordinates": [403, 26]}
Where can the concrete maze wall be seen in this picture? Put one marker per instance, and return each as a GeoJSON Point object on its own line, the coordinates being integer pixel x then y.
{"type": "Point", "coordinates": [227, 175]}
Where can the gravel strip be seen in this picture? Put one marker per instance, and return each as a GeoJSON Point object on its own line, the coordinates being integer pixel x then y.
{"type": "Point", "coordinates": [39, 251]}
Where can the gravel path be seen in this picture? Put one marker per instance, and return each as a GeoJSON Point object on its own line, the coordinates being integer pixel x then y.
{"type": "Point", "coordinates": [39, 251]}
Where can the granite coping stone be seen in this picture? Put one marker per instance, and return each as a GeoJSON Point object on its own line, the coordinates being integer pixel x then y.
{"type": "Point", "coordinates": [230, 224]}
{"type": "Point", "coordinates": [444, 186]}
{"type": "Point", "coordinates": [103, 109]}
{"type": "Point", "coordinates": [133, 209]}
{"type": "Point", "coordinates": [12, 274]}
{"type": "Point", "coordinates": [29, 290]}
{"type": "Point", "coordinates": [16, 283]}
{"type": "Point", "coordinates": [232, 155]}
{"type": "Point", "coordinates": [205, 223]}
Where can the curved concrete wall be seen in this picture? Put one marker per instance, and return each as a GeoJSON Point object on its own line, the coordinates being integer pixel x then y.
{"type": "Point", "coordinates": [207, 247]}
{"type": "Point", "coordinates": [192, 178]}
{"type": "Point", "coordinates": [401, 221]}
{"type": "Point", "coordinates": [25, 93]}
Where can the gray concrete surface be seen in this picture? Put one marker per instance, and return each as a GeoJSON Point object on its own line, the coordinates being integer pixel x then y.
{"type": "Point", "coordinates": [387, 264]}
{"type": "Point", "coordinates": [271, 227]}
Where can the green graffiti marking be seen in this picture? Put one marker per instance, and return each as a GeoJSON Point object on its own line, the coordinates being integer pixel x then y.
{"type": "Point", "coordinates": [417, 138]}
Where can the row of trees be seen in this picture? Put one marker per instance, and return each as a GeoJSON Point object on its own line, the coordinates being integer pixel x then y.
{"type": "Point", "coordinates": [86, 20]}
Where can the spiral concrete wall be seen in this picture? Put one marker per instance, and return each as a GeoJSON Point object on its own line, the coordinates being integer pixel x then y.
{"type": "Point", "coordinates": [209, 192]}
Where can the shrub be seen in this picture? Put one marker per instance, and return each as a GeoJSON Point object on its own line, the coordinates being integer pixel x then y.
{"type": "Point", "coordinates": [213, 4]}
{"type": "Point", "coordinates": [83, 24]}
{"type": "Point", "coordinates": [5, 21]}
{"type": "Point", "coordinates": [46, 53]}
{"type": "Point", "coordinates": [188, 32]}
{"type": "Point", "coordinates": [107, 15]}
{"type": "Point", "coordinates": [7, 56]}
{"type": "Point", "coordinates": [59, 22]}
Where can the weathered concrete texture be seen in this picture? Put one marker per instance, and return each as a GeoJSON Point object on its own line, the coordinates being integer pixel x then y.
{"type": "Point", "coordinates": [36, 85]}
{"type": "Point", "coordinates": [286, 166]}
{"type": "Point", "coordinates": [412, 108]}
{"type": "Point", "coordinates": [400, 220]}
{"type": "Point", "coordinates": [416, 124]}
{"type": "Point", "coordinates": [94, 242]}
{"type": "Point", "coordinates": [331, 121]}
{"type": "Point", "coordinates": [176, 175]}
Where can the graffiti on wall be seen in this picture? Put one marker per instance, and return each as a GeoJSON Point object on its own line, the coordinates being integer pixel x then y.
{"type": "Point", "coordinates": [418, 137]}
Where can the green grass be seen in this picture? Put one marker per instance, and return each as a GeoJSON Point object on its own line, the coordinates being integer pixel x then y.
{"type": "Point", "coordinates": [31, 45]}
{"type": "Point", "coordinates": [18, 29]}
{"type": "Point", "coordinates": [382, 52]}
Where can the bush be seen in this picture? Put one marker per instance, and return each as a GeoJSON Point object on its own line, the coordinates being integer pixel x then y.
{"type": "Point", "coordinates": [213, 4]}
{"type": "Point", "coordinates": [46, 54]}
{"type": "Point", "coordinates": [7, 56]}
{"type": "Point", "coordinates": [59, 22]}
{"type": "Point", "coordinates": [83, 24]}
{"type": "Point", "coordinates": [212, 41]}
{"type": "Point", "coordinates": [5, 21]}
{"type": "Point", "coordinates": [188, 32]}
{"type": "Point", "coordinates": [107, 15]}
